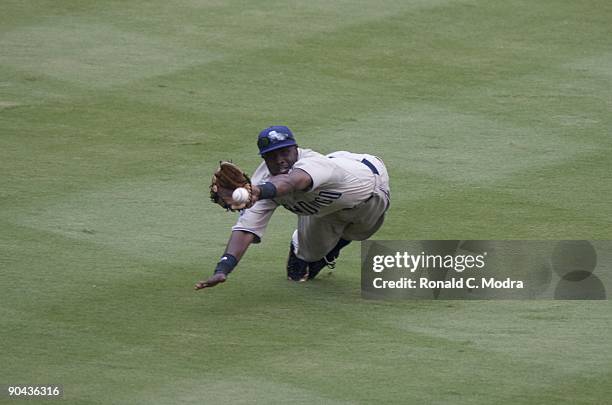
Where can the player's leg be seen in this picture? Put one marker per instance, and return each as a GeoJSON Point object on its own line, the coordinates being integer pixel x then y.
{"type": "Point", "coordinates": [361, 222]}
{"type": "Point", "coordinates": [333, 254]}
{"type": "Point", "coordinates": [297, 269]}
{"type": "Point", "coordinates": [317, 241]}
{"type": "Point", "coordinates": [368, 219]}
{"type": "Point", "coordinates": [329, 260]}
{"type": "Point", "coordinates": [314, 239]}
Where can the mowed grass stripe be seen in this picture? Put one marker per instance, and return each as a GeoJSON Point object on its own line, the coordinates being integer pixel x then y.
{"type": "Point", "coordinates": [95, 55]}
{"type": "Point", "coordinates": [196, 104]}
{"type": "Point", "coordinates": [575, 184]}
{"type": "Point", "coordinates": [390, 59]}
{"type": "Point", "coordinates": [398, 52]}
{"type": "Point", "coordinates": [158, 220]}
{"type": "Point", "coordinates": [366, 126]}
{"type": "Point", "coordinates": [99, 47]}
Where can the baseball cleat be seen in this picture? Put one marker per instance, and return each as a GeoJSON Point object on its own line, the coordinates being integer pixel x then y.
{"type": "Point", "coordinates": [297, 269]}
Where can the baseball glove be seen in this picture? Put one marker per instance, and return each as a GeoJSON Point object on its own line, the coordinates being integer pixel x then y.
{"type": "Point", "coordinates": [226, 179]}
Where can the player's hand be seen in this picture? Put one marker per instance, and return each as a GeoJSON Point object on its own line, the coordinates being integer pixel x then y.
{"type": "Point", "coordinates": [212, 281]}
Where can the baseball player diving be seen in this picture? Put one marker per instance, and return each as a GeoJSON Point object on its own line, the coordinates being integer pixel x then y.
{"type": "Point", "coordinates": [338, 198]}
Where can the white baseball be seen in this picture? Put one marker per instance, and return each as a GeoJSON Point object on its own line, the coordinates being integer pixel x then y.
{"type": "Point", "coordinates": [240, 195]}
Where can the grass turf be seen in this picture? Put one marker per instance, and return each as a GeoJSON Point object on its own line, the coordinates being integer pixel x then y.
{"type": "Point", "coordinates": [493, 119]}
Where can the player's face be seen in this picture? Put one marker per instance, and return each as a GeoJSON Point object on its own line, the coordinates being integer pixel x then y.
{"type": "Point", "coordinates": [280, 161]}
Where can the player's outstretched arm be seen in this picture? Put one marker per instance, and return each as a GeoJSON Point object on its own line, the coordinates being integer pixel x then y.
{"type": "Point", "coordinates": [282, 184]}
{"type": "Point", "coordinates": [238, 243]}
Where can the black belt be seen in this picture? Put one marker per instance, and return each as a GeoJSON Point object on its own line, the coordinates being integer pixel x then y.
{"type": "Point", "coordinates": [370, 166]}
{"type": "Point", "coordinates": [367, 163]}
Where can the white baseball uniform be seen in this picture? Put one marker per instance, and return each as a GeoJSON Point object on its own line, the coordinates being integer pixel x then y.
{"type": "Point", "coordinates": [348, 199]}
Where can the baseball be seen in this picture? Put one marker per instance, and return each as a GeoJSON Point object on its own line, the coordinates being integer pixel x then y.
{"type": "Point", "coordinates": [240, 195]}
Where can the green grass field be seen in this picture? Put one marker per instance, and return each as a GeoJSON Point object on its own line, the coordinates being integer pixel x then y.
{"type": "Point", "coordinates": [493, 117]}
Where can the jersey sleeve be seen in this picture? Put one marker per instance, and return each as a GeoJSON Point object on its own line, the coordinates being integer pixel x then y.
{"type": "Point", "coordinates": [256, 219]}
{"type": "Point", "coordinates": [320, 168]}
